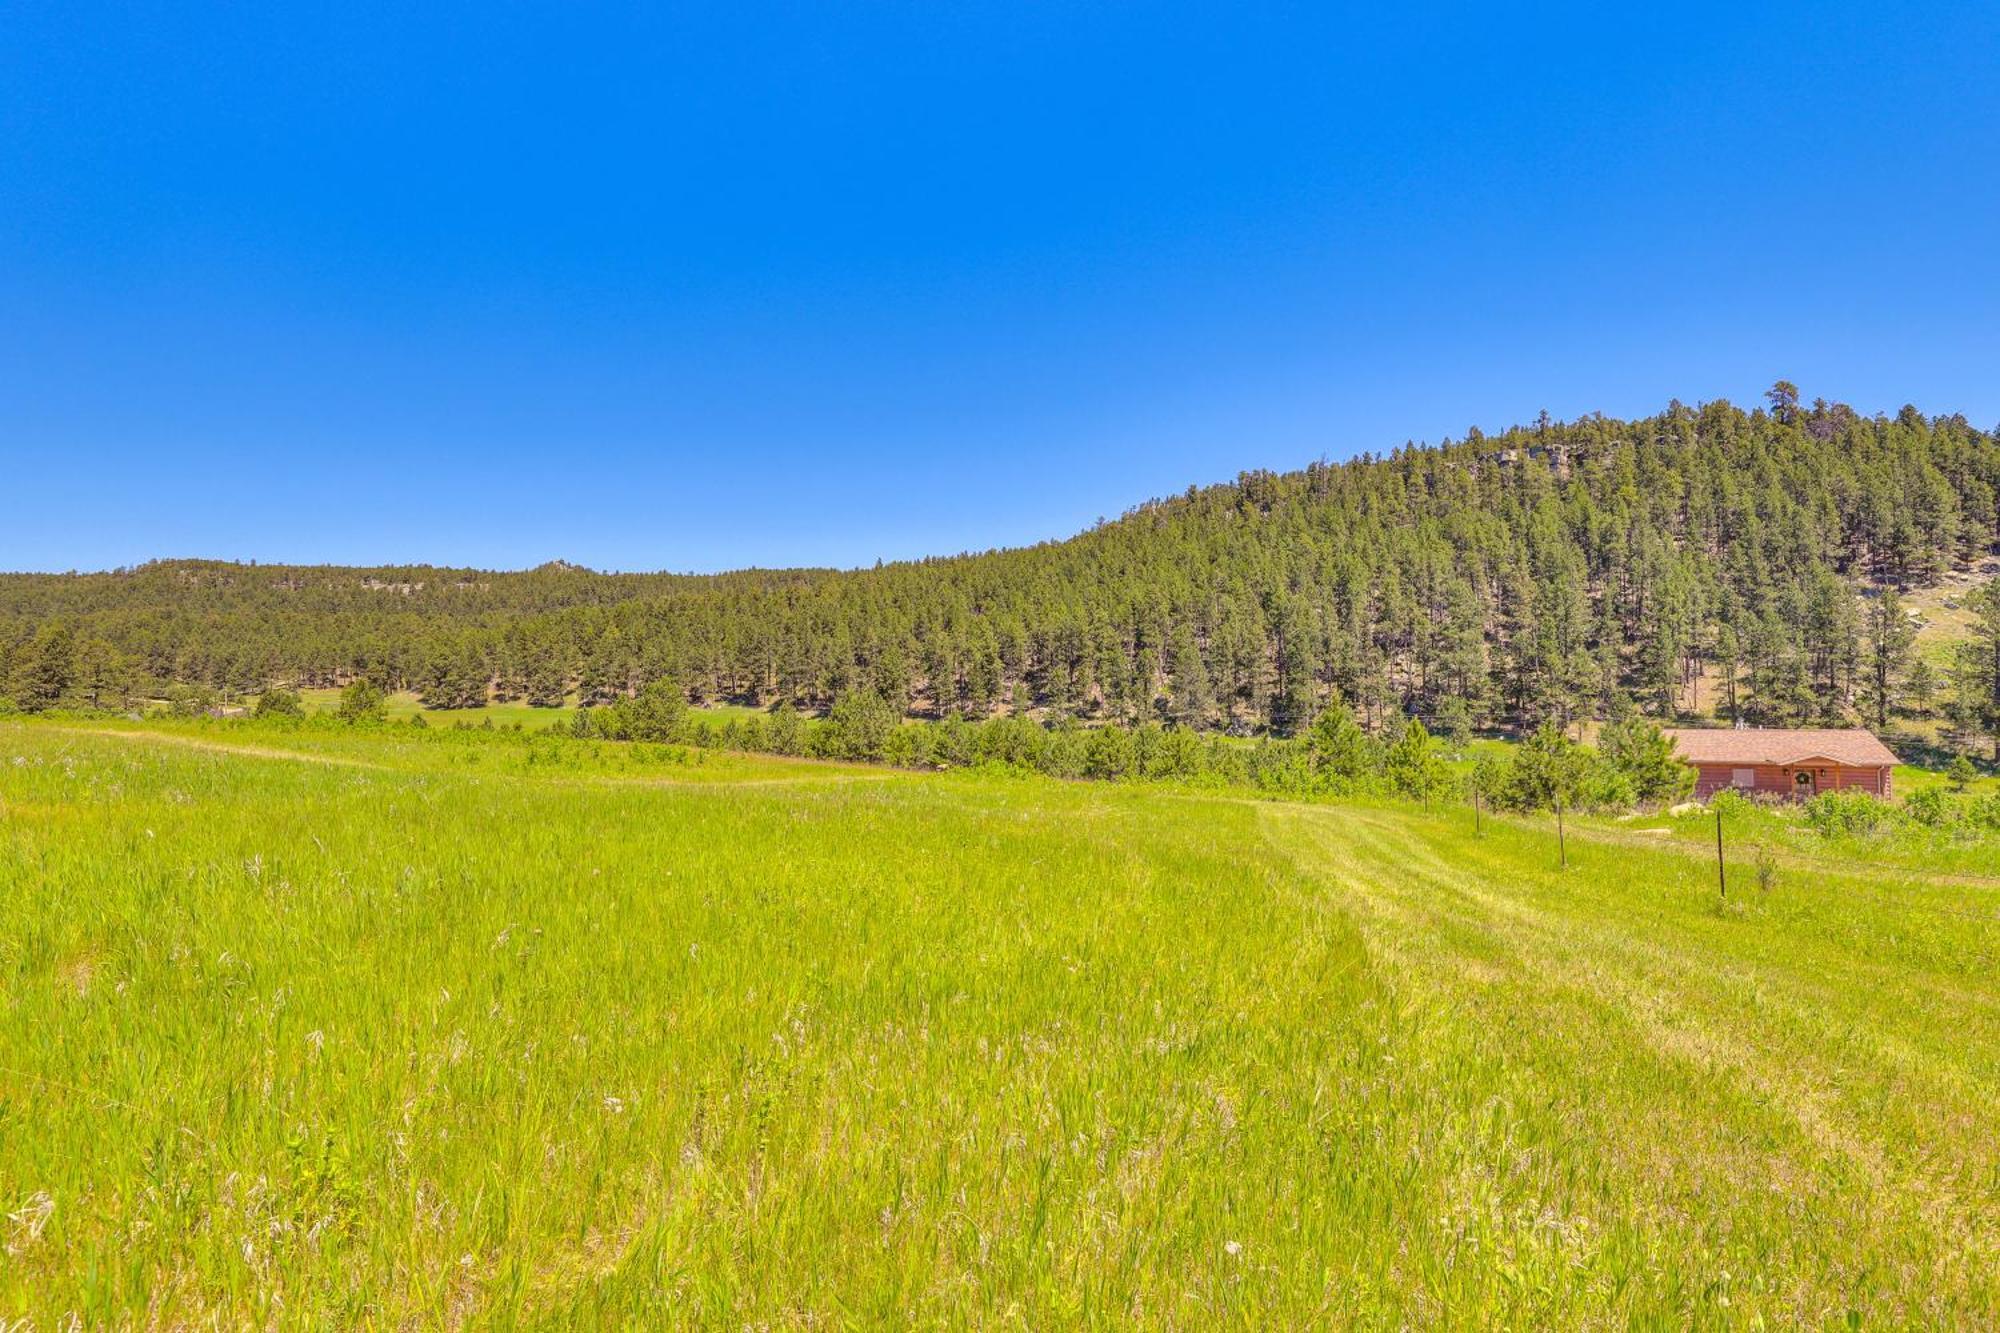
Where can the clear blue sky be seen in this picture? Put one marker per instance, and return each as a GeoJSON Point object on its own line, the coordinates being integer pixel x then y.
{"type": "Point", "coordinates": [816, 284]}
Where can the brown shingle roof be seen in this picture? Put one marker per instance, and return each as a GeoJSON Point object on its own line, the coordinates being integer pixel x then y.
{"type": "Point", "coordinates": [1779, 745]}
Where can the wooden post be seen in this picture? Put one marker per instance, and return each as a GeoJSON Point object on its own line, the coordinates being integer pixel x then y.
{"type": "Point", "coordinates": [1475, 812]}
{"type": "Point", "coordinates": [1562, 846]}
{"type": "Point", "coordinates": [1721, 867]}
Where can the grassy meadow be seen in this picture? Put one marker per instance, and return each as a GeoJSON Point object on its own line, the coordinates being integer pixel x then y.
{"type": "Point", "coordinates": [389, 1028]}
{"type": "Point", "coordinates": [403, 705]}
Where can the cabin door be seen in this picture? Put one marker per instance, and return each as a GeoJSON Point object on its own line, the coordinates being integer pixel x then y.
{"type": "Point", "coordinates": [1802, 783]}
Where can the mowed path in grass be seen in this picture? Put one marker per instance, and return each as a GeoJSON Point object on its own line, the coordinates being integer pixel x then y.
{"type": "Point", "coordinates": [423, 1041]}
{"type": "Point", "coordinates": [1799, 1085]}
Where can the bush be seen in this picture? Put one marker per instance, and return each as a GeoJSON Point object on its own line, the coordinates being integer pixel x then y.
{"type": "Point", "coordinates": [1343, 757]}
{"type": "Point", "coordinates": [1227, 765]}
{"type": "Point", "coordinates": [899, 747]}
{"type": "Point", "coordinates": [190, 700]}
{"type": "Point", "coordinates": [1175, 754]}
{"type": "Point", "coordinates": [1729, 803]}
{"type": "Point", "coordinates": [1985, 811]}
{"type": "Point", "coordinates": [1492, 778]}
{"type": "Point", "coordinates": [1605, 787]}
{"type": "Point", "coordinates": [1111, 753]}
{"type": "Point", "coordinates": [1281, 766]}
{"type": "Point", "coordinates": [1932, 808]}
{"type": "Point", "coordinates": [1066, 753]}
{"type": "Point", "coordinates": [276, 702]}
{"type": "Point", "coordinates": [363, 701]}
{"type": "Point", "coordinates": [657, 714]}
{"type": "Point", "coordinates": [954, 742]}
{"type": "Point", "coordinates": [1640, 753]}
{"type": "Point", "coordinates": [859, 725]}
{"type": "Point", "coordinates": [1014, 741]}
{"type": "Point", "coordinates": [1413, 766]}
{"type": "Point", "coordinates": [1550, 772]}
{"type": "Point", "coordinates": [1850, 814]}
{"type": "Point", "coordinates": [786, 732]}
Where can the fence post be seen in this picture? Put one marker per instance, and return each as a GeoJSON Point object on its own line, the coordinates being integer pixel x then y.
{"type": "Point", "coordinates": [1721, 868]}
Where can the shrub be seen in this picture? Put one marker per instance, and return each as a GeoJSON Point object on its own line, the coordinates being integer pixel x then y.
{"type": "Point", "coordinates": [1728, 803]}
{"type": "Point", "coordinates": [899, 747]}
{"type": "Point", "coordinates": [954, 742]}
{"type": "Point", "coordinates": [786, 732]}
{"type": "Point", "coordinates": [1640, 752]}
{"type": "Point", "coordinates": [1847, 814]}
{"type": "Point", "coordinates": [1932, 808]}
{"type": "Point", "coordinates": [860, 724]}
{"type": "Point", "coordinates": [1342, 756]}
{"type": "Point", "coordinates": [1280, 766]}
{"type": "Point", "coordinates": [280, 703]}
{"type": "Point", "coordinates": [1110, 754]}
{"type": "Point", "coordinates": [1226, 764]}
{"type": "Point", "coordinates": [363, 701]}
{"type": "Point", "coordinates": [1011, 740]}
{"type": "Point", "coordinates": [657, 714]}
{"type": "Point", "coordinates": [189, 700]}
{"type": "Point", "coordinates": [1175, 754]}
{"type": "Point", "coordinates": [1413, 767]}
{"type": "Point", "coordinates": [1492, 778]}
{"type": "Point", "coordinates": [1550, 772]}
{"type": "Point", "coordinates": [1065, 754]}
{"type": "Point", "coordinates": [1985, 811]}
{"type": "Point", "coordinates": [1604, 787]}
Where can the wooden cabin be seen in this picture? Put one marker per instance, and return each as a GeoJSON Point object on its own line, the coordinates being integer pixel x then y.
{"type": "Point", "coordinates": [1776, 761]}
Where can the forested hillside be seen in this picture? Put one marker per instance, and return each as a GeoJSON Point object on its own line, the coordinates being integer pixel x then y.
{"type": "Point", "coordinates": [1702, 561]}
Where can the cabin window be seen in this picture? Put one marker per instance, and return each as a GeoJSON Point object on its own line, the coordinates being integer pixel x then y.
{"type": "Point", "coordinates": [1742, 777]}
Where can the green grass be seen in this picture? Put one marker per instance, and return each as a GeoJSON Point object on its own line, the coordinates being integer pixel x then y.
{"type": "Point", "coordinates": [396, 1028]}
{"type": "Point", "coordinates": [1909, 780]}
{"type": "Point", "coordinates": [404, 705]}
{"type": "Point", "coordinates": [722, 712]}
{"type": "Point", "coordinates": [1944, 615]}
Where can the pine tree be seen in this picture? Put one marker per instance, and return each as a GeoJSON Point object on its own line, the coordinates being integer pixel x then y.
{"type": "Point", "coordinates": [44, 673]}
{"type": "Point", "coordinates": [1890, 636]}
{"type": "Point", "coordinates": [1979, 663]}
{"type": "Point", "coordinates": [1188, 680]}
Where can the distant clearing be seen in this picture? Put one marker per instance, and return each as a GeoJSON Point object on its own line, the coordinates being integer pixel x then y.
{"type": "Point", "coordinates": [406, 704]}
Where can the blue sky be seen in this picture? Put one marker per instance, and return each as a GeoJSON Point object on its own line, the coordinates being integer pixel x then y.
{"type": "Point", "coordinates": [705, 287]}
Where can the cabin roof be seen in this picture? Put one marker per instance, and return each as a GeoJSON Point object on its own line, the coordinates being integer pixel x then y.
{"type": "Point", "coordinates": [1851, 746]}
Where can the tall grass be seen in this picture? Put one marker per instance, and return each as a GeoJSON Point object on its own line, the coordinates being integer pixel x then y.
{"type": "Point", "coordinates": [382, 1036]}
